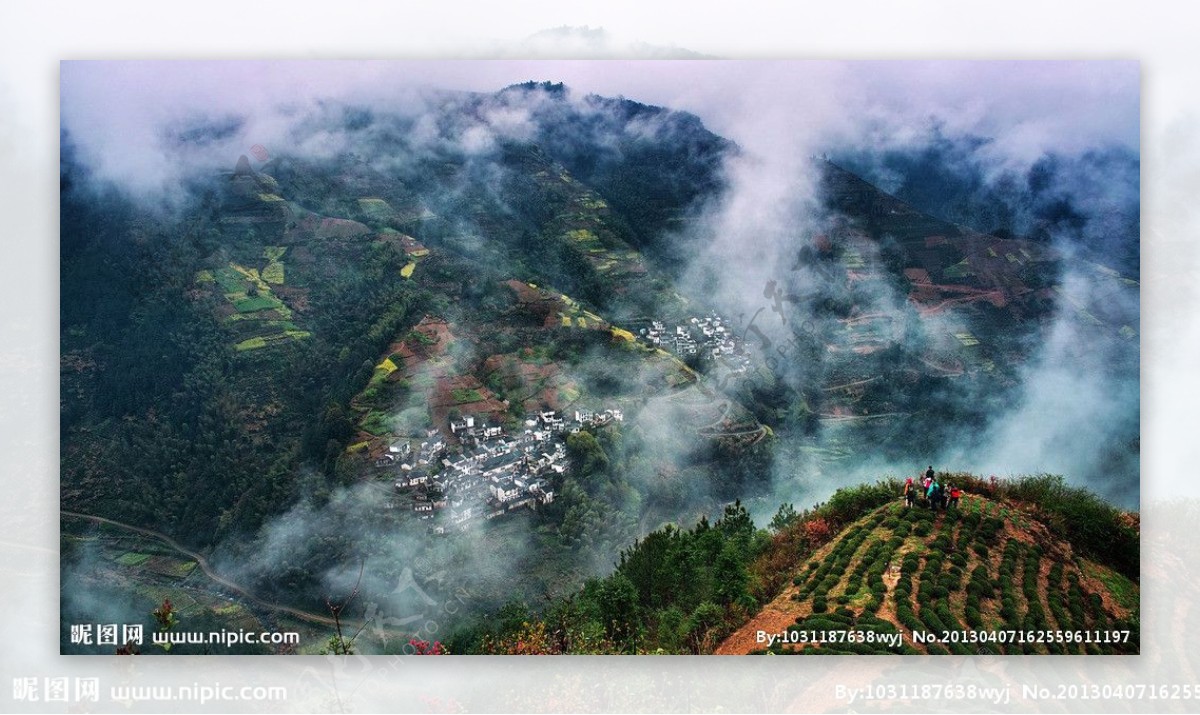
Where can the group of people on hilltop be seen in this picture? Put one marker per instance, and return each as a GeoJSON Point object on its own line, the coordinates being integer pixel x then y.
{"type": "Point", "coordinates": [936, 495]}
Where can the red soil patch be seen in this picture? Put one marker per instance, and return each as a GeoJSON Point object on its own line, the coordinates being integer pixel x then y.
{"type": "Point", "coordinates": [443, 400]}
{"type": "Point", "coordinates": [543, 306]}
{"type": "Point", "coordinates": [525, 293]}
{"type": "Point", "coordinates": [340, 228]}
{"type": "Point", "coordinates": [917, 275]}
{"type": "Point", "coordinates": [432, 337]}
{"type": "Point", "coordinates": [411, 245]}
{"type": "Point", "coordinates": [296, 298]}
{"type": "Point", "coordinates": [535, 385]}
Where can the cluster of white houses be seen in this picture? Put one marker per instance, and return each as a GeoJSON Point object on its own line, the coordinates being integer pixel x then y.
{"type": "Point", "coordinates": [707, 335]}
{"type": "Point", "coordinates": [490, 472]}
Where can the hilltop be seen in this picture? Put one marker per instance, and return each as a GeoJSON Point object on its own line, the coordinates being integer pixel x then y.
{"type": "Point", "coordinates": [1010, 558]}
{"type": "Point", "coordinates": [1024, 554]}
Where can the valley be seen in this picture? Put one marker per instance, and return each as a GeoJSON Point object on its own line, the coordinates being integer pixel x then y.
{"type": "Point", "coordinates": [421, 371]}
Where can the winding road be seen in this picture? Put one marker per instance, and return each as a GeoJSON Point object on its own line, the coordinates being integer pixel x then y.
{"type": "Point", "coordinates": [218, 578]}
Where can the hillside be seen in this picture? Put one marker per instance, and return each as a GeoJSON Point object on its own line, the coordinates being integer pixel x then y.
{"type": "Point", "coordinates": [992, 565]}
{"type": "Point", "coordinates": [1027, 554]}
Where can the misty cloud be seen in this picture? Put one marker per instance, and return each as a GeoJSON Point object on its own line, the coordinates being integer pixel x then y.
{"type": "Point", "coordinates": [116, 110]}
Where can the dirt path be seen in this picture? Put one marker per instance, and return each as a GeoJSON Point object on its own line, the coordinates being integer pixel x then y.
{"type": "Point", "coordinates": [843, 419]}
{"type": "Point", "coordinates": [773, 619]}
{"type": "Point", "coordinates": [856, 383]}
{"type": "Point", "coordinates": [776, 616]}
{"type": "Point", "coordinates": [712, 430]}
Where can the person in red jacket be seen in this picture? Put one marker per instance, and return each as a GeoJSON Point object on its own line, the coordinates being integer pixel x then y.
{"type": "Point", "coordinates": [955, 495]}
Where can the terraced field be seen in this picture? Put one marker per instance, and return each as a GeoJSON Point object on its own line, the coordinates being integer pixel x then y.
{"type": "Point", "coordinates": [255, 316]}
{"type": "Point", "coordinates": [988, 567]}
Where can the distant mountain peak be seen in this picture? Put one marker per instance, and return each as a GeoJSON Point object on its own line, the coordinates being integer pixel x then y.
{"type": "Point", "coordinates": [243, 167]}
{"type": "Point", "coordinates": [546, 86]}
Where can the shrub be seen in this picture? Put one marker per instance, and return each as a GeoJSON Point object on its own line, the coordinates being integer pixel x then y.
{"type": "Point", "coordinates": [1075, 606]}
{"type": "Point", "coordinates": [908, 619]}
{"type": "Point", "coordinates": [819, 623]}
{"type": "Point", "coordinates": [930, 619]}
{"type": "Point", "coordinates": [1093, 526]}
{"type": "Point", "coordinates": [946, 617]}
{"type": "Point", "coordinates": [849, 503]}
{"type": "Point", "coordinates": [980, 585]}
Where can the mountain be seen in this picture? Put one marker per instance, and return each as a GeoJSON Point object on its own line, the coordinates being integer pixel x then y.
{"type": "Point", "coordinates": [467, 334]}
{"type": "Point", "coordinates": [1089, 202]}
